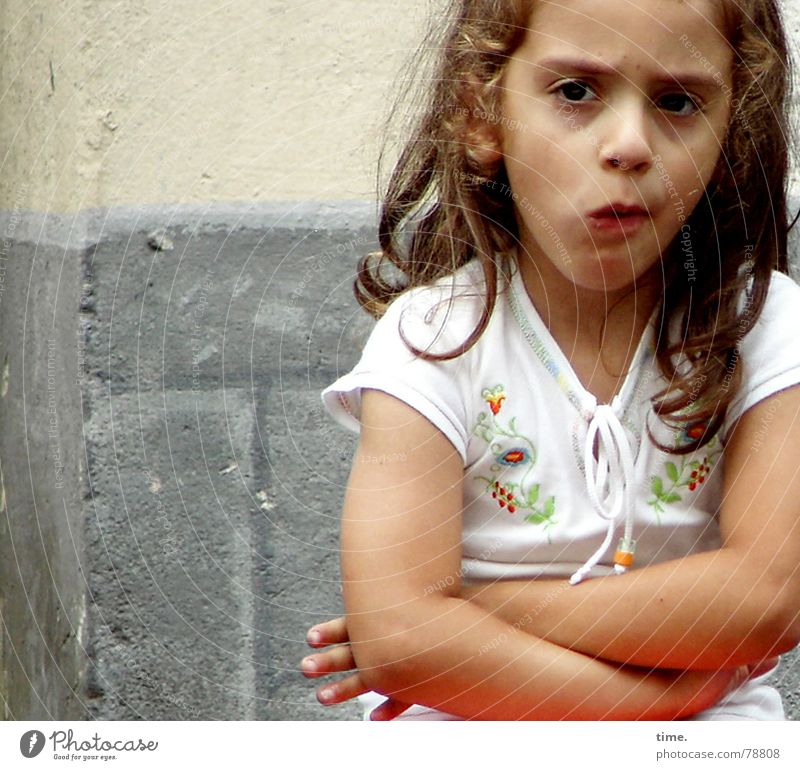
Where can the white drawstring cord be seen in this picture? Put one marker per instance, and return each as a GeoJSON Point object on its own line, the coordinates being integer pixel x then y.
{"type": "Point", "coordinates": [609, 481]}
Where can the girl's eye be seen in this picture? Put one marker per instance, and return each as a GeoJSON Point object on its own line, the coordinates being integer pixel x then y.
{"type": "Point", "coordinates": [574, 90]}
{"type": "Point", "coordinates": [682, 105]}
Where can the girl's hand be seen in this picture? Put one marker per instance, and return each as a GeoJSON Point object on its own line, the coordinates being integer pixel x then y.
{"type": "Point", "coordinates": [337, 660]}
{"type": "Point", "coordinates": [762, 667]}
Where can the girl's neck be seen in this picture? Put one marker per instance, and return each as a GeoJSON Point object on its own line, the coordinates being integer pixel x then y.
{"type": "Point", "coordinates": [598, 332]}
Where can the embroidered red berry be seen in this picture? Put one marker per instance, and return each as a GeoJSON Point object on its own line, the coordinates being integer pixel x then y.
{"type": "Point", "coordinates": [694, 474]}
{"type": "Point", "coordinates": [502, 503]}
{"type": "Point", "coordinates": [494, 495]}
{"type": "Point", "coordinates": [512, 509]}
{"type": "Point", "coordinates": [693, 486]}
{"type": "Point", "coordinates": [510, 498]}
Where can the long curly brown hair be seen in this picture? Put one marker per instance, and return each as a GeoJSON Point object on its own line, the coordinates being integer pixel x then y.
{"type": "Point", "coordinates": [444, 208]}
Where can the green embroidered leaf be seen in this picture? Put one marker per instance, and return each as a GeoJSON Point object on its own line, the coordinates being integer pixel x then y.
{"type": "Point", "coordinates": [550, 507]}
{"type": "Point", "coordinates": [657, 486]}
{"type": "Point", "coordinates": [533, 495]}
{"type": "Point", "coordinates": [672, 472]}
{"type": "Point", "coordinates": [671, 498]}
{"type": "Point", "coordinates": [537, 518]}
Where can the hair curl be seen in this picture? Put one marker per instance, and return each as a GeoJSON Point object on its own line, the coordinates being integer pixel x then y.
{"type": "Point", "coordinates": [444, 207]}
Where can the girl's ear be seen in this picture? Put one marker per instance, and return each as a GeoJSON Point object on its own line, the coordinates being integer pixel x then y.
{"type": "Point", "coordinates": [482, 136]}
{"type": "Point", "coordinates": [483, 144]}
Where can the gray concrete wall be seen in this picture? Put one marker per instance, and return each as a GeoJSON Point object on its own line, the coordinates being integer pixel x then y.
{"type": "Point", "coordinates": [215, 478]}
{"type": "Point", "coordinates": [202, 482]}
{"type": "Point", "coordinates": [43, 475]}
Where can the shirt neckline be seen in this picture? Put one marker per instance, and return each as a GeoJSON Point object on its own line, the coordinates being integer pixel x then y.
{"type": "Point", "coordinates": [552, 357]}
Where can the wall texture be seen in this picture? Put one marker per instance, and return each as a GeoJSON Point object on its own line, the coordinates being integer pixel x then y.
{"type": "Point", "coordinates": [120, 118]}
{"type": "Point", "coordinates": [192, 101]}
{"type": "Point", "coordinates": [172, 487]}
{"type": "Point", "coordinates": [185, 188]}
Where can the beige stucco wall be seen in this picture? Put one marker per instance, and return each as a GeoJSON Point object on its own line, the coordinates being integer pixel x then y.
{"type": "Point", "coordinates": [195, 100]}
{"type": "Point", "coordinates": [115, 102]}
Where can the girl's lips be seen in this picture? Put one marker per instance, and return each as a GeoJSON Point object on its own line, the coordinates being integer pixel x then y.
{"type": "Point", "coordinates": [622, 220]}
{"type": "Point", "coordinates": [617, 224]}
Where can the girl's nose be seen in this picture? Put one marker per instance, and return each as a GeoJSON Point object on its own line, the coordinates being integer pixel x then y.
{"type": "Point", "coordinates": [626, 146]}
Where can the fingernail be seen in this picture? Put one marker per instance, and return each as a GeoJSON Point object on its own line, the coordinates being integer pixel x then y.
{"type": "Point", "coordinates": [313, 637]}
{"type": "Point", "coordinates": [309, 664]}
{"type": "Point", "coordinates": [326, 695]}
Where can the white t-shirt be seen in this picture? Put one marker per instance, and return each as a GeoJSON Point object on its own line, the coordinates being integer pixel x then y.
{"type": "Point", "coordinates": [520, 419]}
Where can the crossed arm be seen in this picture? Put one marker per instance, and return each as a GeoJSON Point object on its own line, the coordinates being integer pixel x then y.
{"type": "Point", "coordinates": [588, 651]}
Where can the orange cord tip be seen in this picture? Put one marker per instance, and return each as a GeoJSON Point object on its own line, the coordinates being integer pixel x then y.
{"type": "Point", "coordinates": [624, 553]}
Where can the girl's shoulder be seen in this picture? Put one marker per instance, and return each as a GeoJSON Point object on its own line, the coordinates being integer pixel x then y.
{"type": "Point", "coordinates": [778, 321]}
{"type": "Point", "coordinates": [436, 319]}
{"type": "Point", "coordinates": [440, 316]}
{"type": "Point", "coordinates": [769, 353]}
{"type": "Point", "coordinates": [783, 301]}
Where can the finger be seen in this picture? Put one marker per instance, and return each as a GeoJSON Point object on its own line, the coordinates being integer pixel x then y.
{"type": "Point", "coordinates": [341, 691]}
{"type": "Point", "coordinates": [763, 667]}
{"type": "Point", "coordinates": [740, 676]}
{"type": "Point", "coordinates": [331, 632]}
{"type": "Point", "coordinates": [332, 661]}
{"type": "Point", "coordinates": [388, 710]}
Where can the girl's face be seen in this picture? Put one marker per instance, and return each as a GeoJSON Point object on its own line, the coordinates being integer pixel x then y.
{"type": "Point", "coordinates": [614, 103]}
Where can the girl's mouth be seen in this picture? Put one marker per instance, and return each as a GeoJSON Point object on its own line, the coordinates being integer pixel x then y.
{"type": "Point", "coordinates": [618, 219]}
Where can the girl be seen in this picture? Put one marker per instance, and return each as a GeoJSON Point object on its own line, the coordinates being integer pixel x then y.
{"type": "Point", "coordinates": [575, 492]}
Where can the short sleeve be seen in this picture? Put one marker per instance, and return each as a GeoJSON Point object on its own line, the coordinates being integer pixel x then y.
{"type": "Point", "coordinates": [770, 352]}
{"type": "Point", "coordinates": [434, 319]}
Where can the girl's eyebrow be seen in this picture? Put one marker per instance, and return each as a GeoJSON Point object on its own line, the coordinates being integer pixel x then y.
{"type": "Point", "coordinates": [593, 67]}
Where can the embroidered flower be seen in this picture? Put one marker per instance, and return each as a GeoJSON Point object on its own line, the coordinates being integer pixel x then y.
{"type": "Point", "coordinates": [692, 433]}
{"type": "Point", "coordinates": [517, 494]}
{"type": "Point", "coordinates": [516, 456]}
{"type": "Point", "coordinates": [690, 474]}
{"type": "Point", "coordinates": [494, 397]}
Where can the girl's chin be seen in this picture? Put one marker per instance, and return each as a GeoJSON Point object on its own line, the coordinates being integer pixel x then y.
{"type": "Point", "coordinates": [608, 276]}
